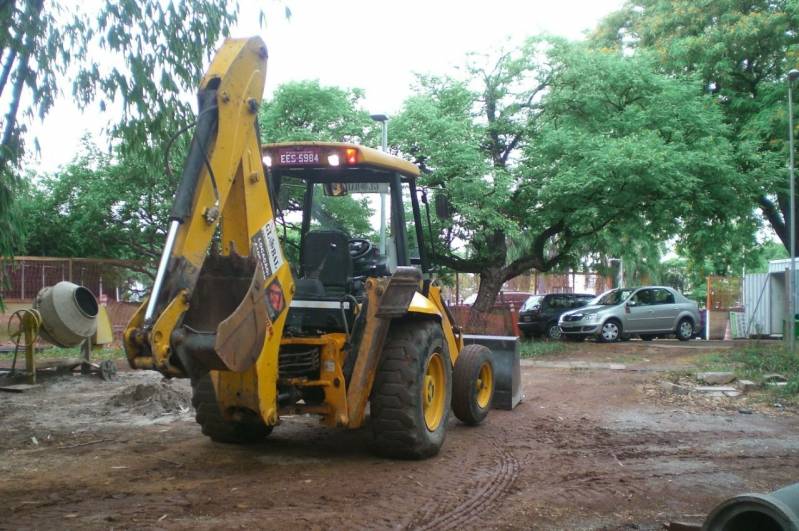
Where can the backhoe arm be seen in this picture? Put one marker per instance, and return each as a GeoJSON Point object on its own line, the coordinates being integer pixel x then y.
{"type": "Point", "coordinates": [213, 311]}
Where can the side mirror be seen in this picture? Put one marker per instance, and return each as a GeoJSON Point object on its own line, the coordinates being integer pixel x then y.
{"type": "Point", "coordinates": [443, 207]}
{"type": "Point", "coordinates": [335, 189]}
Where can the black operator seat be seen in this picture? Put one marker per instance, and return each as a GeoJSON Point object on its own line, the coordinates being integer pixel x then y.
{"type": "Point", "coordinates": [321, 297]}
{"type": "Point", "coordinates": [326, 265]}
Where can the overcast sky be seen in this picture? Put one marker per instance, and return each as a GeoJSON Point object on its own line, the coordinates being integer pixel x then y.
{"type": "Point", "coordinates": [375, 45]}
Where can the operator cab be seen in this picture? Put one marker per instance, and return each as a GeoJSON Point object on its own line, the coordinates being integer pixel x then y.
{"type": "Point", "coordinates": [330, 197]}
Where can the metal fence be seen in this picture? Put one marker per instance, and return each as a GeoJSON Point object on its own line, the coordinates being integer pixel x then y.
{"type": "Point", "coordinates": [466, 284]}
{"type": "Point", "coordinates": [724, 293]}
{"type": "Point", "coordinates": [26, 275]}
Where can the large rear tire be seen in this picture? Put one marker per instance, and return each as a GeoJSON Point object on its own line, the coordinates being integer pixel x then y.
{"type": "Point", "coordinates": [473, 384]}
{"type": "Point", "coordinates": [412, 392]}
{"type": "Point", "coordinates": [209, 416]}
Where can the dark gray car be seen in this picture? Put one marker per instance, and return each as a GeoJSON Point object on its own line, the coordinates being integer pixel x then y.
{"type": "Point", "coordinates": [540, 313]}
{"type": "Point", "coordinates": [648, 312]}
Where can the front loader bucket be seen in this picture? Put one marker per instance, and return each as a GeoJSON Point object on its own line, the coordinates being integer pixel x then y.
{"type": "Point", "coordinates": [507, 370]}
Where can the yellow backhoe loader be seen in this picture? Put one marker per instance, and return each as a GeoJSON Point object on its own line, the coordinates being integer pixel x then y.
{"type": "Point", "coordinates": [274, 296]}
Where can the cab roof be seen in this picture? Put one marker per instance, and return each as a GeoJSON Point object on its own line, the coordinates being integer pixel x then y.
{"type": "Point", "coordinates": [368, 156]}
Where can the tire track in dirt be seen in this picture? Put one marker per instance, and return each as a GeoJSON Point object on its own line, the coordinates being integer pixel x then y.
{"type": "Point", "coordinates": [477, 499]}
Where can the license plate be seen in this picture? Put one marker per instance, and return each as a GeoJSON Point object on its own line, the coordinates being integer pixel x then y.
{"type": "Point", "coordinates": [299, 157]}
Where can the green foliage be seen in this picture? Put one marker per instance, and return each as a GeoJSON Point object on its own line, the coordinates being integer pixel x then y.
{"type": "Point", "coordinates": [742, 52]}
{"type": "Point", "coordinates": [305, 110]}
{"type": "Point", "coordinates": [757, 359]}
{"type": "Point", "coordinates": [535, 349]}
{"type": "Point", "coordinates": [555, 150]}
{"type": "Point", "coordinates": [100, 205]}
{"type": "Point", "coordinates": [139, 56]}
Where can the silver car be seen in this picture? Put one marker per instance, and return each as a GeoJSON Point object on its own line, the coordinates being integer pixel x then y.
{"type": "Point", "coordinates": [648, 312]}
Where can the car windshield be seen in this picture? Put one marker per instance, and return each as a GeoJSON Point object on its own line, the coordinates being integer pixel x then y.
{"type": "Point", "coordinates": [535, 300]}
{"type": "Point", "coordinates": [613, 297]}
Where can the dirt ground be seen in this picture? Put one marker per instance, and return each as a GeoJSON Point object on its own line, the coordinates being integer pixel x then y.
{"type": "Point", "coordinates": [597, 443]}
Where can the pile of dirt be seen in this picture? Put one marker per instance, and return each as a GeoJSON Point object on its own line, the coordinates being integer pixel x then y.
{"type": "Point", "coordinates": [153, 399]}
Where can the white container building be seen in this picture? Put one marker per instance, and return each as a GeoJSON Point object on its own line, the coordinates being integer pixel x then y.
{"type": "Point", "coordinates": [765, 302]}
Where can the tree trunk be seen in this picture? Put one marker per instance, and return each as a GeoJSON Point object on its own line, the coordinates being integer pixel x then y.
{"type": "Point", "coordinates": [490, 284]}
{"type": "Point", "coordinates": [9, 145]}
{"type": "Point", "coordinates": [491, 281]}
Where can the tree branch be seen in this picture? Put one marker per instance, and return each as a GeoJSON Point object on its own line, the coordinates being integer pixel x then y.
{"type": "Point", "coordinates": [22, 73]}
{"type": "Point", "coordinates": [775, 218]}
{"type": "Point", "coordinates": [12, 56]}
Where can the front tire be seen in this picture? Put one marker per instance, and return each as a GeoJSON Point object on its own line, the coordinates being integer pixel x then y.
{"type": "Point", "coordinates": [610, 331]}
{"type": "Point", "coordinates": [553, 332]}
{"type": "Point", "coordinates": [412, 392]}
{"type": "Point", "coordinates": [685, 329]}
{"type": "Point", "coordinates": [209, 416]}
{"type": "Point", "coordinates": [473, 384]}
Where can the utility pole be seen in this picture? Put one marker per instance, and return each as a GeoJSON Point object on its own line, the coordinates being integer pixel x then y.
{"type": "Point", "coordinates": [383, 119]}
{"type": "Point", "coordinates": [793, 75]}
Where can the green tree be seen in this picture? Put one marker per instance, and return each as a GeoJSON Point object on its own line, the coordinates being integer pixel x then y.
{"type": "Point", "coordinates": [742, 52]}
{"type": "Point", "coordinates": [306, 110]}
{"type": "Point", "coordinates": [99, 206]}
{"type": "Point", "coordinates": [555, 146]}
{"type": "Point", "coordinates": [137, 55]}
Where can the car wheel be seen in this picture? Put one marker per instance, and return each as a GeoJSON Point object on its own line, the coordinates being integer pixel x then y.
{"type": "Point", "coordinates": [685, 329]}
{"type": "Point", "coordinates": [610, 331]}
{"type": "Point", "coordinates": [553, 331]}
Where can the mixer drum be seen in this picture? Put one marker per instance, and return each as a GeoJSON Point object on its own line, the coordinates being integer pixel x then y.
{"type": "Point", "coordinates": [69, 314]}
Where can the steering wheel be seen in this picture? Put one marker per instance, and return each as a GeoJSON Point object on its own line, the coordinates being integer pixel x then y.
{"type": "Point", "coordinates": [359, 247]}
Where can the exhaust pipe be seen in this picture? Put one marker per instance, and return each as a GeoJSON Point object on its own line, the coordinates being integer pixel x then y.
{"type": "Point", "coordinates": [778, 511]}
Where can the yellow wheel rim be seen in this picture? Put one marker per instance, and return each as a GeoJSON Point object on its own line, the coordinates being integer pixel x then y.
{"type": "Point", "coordinates": [485, 385]}
{"type": "Point", "coordinates": [434, 389]}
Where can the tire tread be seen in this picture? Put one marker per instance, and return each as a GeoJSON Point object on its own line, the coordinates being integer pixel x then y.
{"type": "Point", "coordinates": [396, 393]}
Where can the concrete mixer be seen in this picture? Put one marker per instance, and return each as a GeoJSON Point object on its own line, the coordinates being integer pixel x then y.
{"type": "Point", "coordinates": [65, 315]}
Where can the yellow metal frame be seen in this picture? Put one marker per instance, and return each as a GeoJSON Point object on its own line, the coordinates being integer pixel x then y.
{"type": "Point", "coordinates": [239, 201]}
{"type": "Point", "coordinates": [367, 156]}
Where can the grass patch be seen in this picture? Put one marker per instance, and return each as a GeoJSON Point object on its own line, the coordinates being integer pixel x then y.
{"type": "Point", "coordinates": [534, 349]}
{"type": "Point", "coordinates": [67, 353]}
{"type": "Point", "coordinates": [755, 360]}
